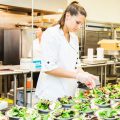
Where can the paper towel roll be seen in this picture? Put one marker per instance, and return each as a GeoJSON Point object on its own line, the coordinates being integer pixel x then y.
{"type": "Point", "coordinates": [100, 53]}
{"type": "Point", "coordinates": [90, 54]}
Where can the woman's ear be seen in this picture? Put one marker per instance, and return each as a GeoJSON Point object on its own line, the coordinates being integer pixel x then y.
{"type": "Point", "coordinates": [68, 16]}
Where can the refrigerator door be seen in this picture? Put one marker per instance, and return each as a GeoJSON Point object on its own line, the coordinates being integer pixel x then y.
{"type": "Point", "coordinates": [12, 47]}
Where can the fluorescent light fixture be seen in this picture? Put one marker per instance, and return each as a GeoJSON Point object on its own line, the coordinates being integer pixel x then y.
{"type": "Point", "coordinates": [60, 10]}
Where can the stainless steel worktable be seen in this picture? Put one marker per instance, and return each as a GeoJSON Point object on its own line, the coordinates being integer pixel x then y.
{"type": "Point", "coordinates": [103, 69]}
{"type": "Point", "coordinates": [13, 70]}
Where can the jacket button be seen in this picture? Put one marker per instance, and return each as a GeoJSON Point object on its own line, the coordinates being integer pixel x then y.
{"type": "Point", "coordinates": [76, 62]}
{"type": "Point", "coordinates": [48, 62]}
{"type": "Point", "coordinates": [75, 67]}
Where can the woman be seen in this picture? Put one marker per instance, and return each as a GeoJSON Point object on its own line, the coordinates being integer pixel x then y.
{"type": "Point", "coordinates": [36, 49]}
{"type": "Point", "coordinates": [36, 45]}
{"type": "Point", "coordinates": [60, 57]}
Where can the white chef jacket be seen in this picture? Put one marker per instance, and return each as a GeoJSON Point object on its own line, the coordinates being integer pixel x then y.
{"type": "Point", "coordinates": [36, 49]}
{"type": "Point", "coordinates": [57, 52]}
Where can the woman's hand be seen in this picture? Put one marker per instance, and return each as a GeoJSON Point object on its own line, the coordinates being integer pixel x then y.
{"type": "Point", "coordinates": [87, 78]}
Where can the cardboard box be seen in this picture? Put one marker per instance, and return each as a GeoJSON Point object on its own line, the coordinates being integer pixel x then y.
{"type": "Point", "coordinates": [109, 44]}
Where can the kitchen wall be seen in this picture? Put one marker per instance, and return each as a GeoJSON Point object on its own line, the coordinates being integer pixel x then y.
{"type": "Point", "coordinates": [50, 5]}
{"type": "Point", "coordinates": [97, 10]}
{"type": "Point", "coordinates": [102, 10]}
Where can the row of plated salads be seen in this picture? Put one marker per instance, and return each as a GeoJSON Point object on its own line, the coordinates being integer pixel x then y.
{"type": "Point", "coordinates": [97, 104]}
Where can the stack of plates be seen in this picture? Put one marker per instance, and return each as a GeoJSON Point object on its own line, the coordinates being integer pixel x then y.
{"type": "Point", "coordinates": [95, 61]}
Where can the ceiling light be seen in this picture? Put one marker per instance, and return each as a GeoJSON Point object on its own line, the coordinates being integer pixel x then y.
{"type": "Point", "coordinates": [60, 10]}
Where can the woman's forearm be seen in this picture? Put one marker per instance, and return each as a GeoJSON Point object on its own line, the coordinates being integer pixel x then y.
{"type": "Point", "coordinates": [60, 72]}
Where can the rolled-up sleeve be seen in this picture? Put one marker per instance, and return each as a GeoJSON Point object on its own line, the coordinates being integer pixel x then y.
{"type": "Point", "coordinates": [49, 51]}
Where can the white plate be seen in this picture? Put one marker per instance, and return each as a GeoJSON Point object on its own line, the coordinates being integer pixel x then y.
{"type": "Point", "coordinates": [95, 61]}
{"type": "Point", "coordinates": [63, 118]}
{"type": "Point", "coordinates": [67, 105]}
{"type": "Point", "coordinates": [116, 100]}
{"type": "Point", "coordinates": [42, 111]}
{"type": "Point", "coordinates": [97, 114]}
{"type": "Point", "coordinates": [100, 106]}
{"type": "Point", "coordinates": [11, 117]}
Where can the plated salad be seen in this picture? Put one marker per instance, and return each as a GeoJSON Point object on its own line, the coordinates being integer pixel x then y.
{"type": "Point", "coordinates": [102, 102]}
{"type": "Point", "coordinates": [17, 112]}
{"type": "Point", "coordinates": [43, 106]}
{"type": "Point", "coordinates": [83, 107]}
{"type": "Point", "coordinates": [66, 101]}
{"type": "Point", "coordinates": [55, 105]}
{"type": "Point", "coordinates": [32, 115]}
{"type": "Point", "coordinates": [80, 94]}
{"type": "Point", "coordinates": [108, 114]}
{"type": "Point", "coordinates": [89, 117]}
{"type": "Point", "coordinates": [96, 92]}
{"type": "Point", "coordinates": [86, 105]}
{"type": "Point", "coordinates": [64, 114]}
{"type": "Point", "coordinates": [115, 96]}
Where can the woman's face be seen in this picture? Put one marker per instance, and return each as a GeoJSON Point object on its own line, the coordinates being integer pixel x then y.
{"type": "Point", "coordinates": [39, 33]}
{"type": "Point", "coordinates": [73, 23]}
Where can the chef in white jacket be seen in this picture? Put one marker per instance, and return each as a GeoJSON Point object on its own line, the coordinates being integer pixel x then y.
{"type": "Point", "coordinates": [60, 57]}
{"type": "Point", "coordinates": [36, 50]}
{"type": "Point", "coordinates": [36, 47]}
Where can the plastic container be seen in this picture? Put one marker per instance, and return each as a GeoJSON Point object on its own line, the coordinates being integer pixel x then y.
{"type": "Point", "coordinates": [29, 83]}
{"type": "Point", "coordinates": [25, 63]}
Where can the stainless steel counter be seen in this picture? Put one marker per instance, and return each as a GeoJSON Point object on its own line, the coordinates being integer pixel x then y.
{"type": "Point", "coordinates": [103, 69]}
{"type": "Point", "coordinates": [14, 70]}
